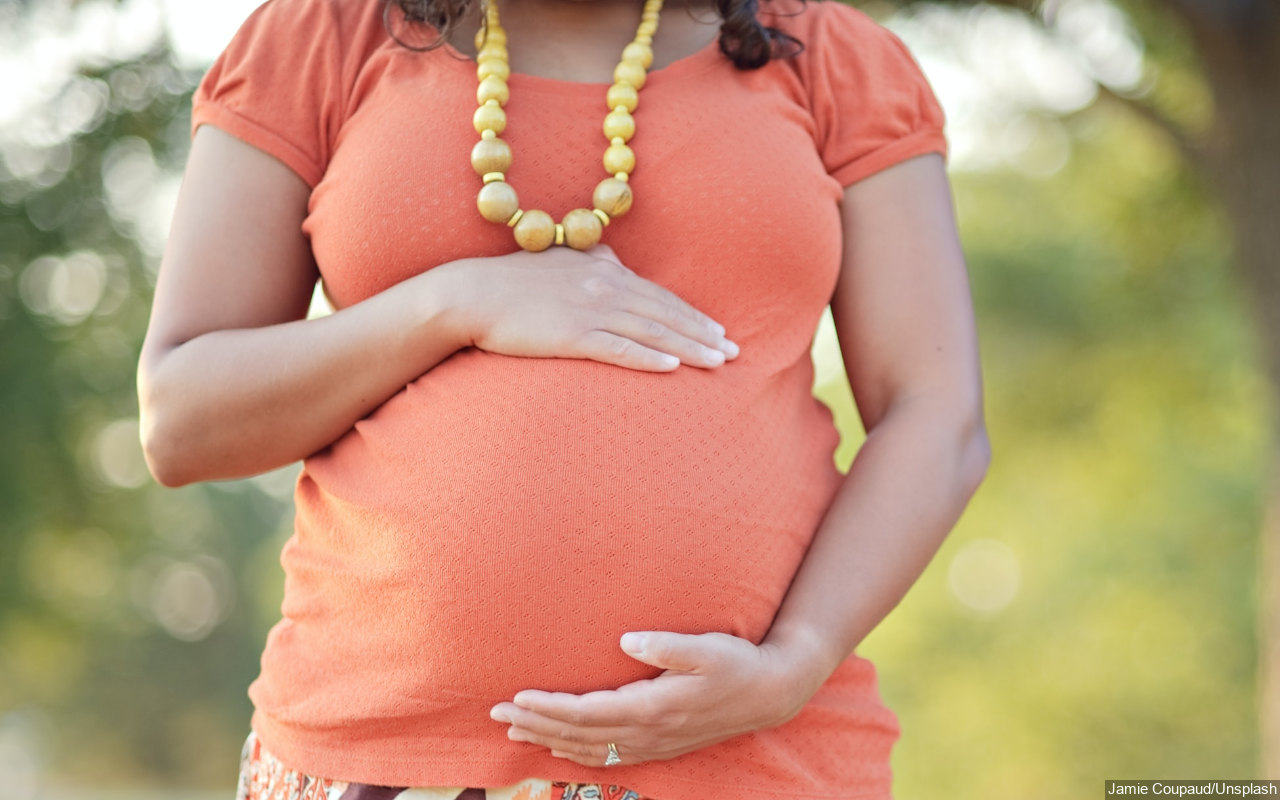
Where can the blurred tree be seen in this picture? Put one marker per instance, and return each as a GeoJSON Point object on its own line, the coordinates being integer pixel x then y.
{"type": "Point", "coordinates": [126, 640]}
{"type": "Point", "coordinates": [1237, 45]}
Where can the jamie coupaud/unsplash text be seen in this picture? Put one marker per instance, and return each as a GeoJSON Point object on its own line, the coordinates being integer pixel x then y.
{"type": "Point", "coordinates": [1205, 788]}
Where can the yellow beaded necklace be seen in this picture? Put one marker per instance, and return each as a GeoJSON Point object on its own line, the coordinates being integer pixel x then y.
{"type": "Point", "coordinates": [581, 228]}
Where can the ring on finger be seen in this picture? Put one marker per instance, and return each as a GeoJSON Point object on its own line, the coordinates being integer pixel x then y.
{"type": "Point", "coordinates": [613, 758]}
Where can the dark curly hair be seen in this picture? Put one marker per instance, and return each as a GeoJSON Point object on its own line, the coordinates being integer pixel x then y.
{"type": "Point", "coordinates": [743, 39]}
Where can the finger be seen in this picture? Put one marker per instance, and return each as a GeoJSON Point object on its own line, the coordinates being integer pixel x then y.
{"type": "Point", "coordinates": [532, 723]}
{"type": "Point", "coordinates": [648, 299]}
{"type": "Point", "coordinates": [675, 651]}
{"type": "Point", "coordinates": [656, 301]}
{"type": "Point", "coordinates": [611, 348]}
{"type": "Point", "coordinates": [654, 334]}
{"type": "Point", "coordinates": [587, 748]}
{"type": "Point", "coordinates": [594, 759]}
{"type": "Point", "coordinates": [635, 704]}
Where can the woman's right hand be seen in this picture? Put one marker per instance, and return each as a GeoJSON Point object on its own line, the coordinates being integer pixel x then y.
{"type": "Point", "coordinates": [570, 304]}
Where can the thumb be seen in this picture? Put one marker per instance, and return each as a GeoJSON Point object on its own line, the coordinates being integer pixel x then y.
{"type": "Point", "coordinates": [682, 652]}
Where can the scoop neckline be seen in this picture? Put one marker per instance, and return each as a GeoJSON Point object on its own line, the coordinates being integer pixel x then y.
{"type": "Point", "coordinates": [694, 63]}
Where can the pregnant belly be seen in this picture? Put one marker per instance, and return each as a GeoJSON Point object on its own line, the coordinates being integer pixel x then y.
{"type": "Point", "coordinates": [501, 522]}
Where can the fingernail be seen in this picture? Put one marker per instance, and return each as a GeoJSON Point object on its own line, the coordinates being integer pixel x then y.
{"type": "Point", "coordinates": [498, 716]}
{"type": "Point", "coordinates": [718, 328]}
{"type": "Point", "coordinates": [713, 355]}
{"type": "Point", "coordinates": [633, 643]}
{"type": "Point", "coordinates": [730, 349]}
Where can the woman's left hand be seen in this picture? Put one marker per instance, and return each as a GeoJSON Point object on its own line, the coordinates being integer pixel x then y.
{"type": "Point", "coordinates": [714, 687]}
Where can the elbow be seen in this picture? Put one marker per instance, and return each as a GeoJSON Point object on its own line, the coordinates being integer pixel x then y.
{"type": "Point", "coordinates": [161, 453]}
{"type": "Point", "coordinates": [975, 455]}
{"type": "Point", "coordinates": [162, 446]}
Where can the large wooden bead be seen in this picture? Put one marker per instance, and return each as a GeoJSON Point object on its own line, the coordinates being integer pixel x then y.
{"type": "Point", "coordinates": [619, 158]}
{"type": "Point", "coordinates": [622, 94]}
{"type": "Point", "coordinates": [612, 196]}
{"type": "Point", "coordinates": [582, 229]}
{"type": "Point", "coordinates": [536, 230]}
{"type": "Point", "coordinates": [641, 53]}
{"type": "Point", "coordinates": [497, 201]}
{"type": "Point", "coordinates": [489, 118]}
{"type": "Point", "coordinates": [491, 155]}
{"type": "Point", "coordinates": [493, 88]}
{"type": "Point", "coordinates": [493, 68]}
{"type": "Point", "coordinates": [619, 123]}
{"type": "Point", "coordinates": [629, 72]}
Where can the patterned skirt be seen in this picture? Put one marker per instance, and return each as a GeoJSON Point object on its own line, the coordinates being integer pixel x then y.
{"type": "Point", "coordinates": [265, 777]}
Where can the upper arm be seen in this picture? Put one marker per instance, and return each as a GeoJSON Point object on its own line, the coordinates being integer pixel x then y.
{"type": "Point", "coordinates": [902, 307]}
{"type": "Point", "coordinates": [264, 120]}
{"type": "Point", "coordinates": [236, 255]}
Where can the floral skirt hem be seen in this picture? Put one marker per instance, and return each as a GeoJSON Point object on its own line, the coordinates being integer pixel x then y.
{"type": "Point", "coordinates": [265, 777]}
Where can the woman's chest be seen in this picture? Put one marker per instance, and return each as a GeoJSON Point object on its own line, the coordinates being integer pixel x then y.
{"type": "Point", "coordinates": [729, 189]}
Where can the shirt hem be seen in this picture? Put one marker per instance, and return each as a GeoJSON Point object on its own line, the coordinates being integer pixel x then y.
{"type": "Point", "coordinates": [651, 787]}
{"type": "Point", "coordinates": [211, 112]}
{"type": "Point", "coordinates": [919, 142]}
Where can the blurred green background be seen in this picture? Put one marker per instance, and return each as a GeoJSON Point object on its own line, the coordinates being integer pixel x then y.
{"type": "Point", "coordinates": [1094, 615]}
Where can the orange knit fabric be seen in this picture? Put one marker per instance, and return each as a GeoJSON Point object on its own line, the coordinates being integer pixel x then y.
{"type": "Point", "coordinates": [500, 522]}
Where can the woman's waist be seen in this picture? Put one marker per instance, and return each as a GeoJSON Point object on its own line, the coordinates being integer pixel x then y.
{"type": "Point", "coordinates": [481, 430]}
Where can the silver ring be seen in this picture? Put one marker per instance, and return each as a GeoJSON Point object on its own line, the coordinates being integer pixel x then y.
{"type": "Point", "coordinates": [613, 760]}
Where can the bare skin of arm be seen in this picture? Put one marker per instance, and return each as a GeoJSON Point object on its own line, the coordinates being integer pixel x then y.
{"type": "Point", "coordinates": [234, 381]}
{"type": "Point", "coordinates": [904, 318]}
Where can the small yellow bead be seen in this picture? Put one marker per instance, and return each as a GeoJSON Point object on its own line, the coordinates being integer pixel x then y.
{"type": "Point", "coordinates": [491, 102]}
{"type": "Point", "coordinates": [490, 177]}
{"type": "Point", "coordinates": [489, 117]}
{"type": "Point", "coordinates": [622, 176]}
{"type": "Point", "coordinates": [612, 196]}
{"type": "Point", "coordinates": [604, 218]}
{"type": "Point", "coordinates": [497, 201]}
{"type": "Point", "coordinates": [536, 230]}
{"type": "Point", "coordinates": [559, 233]}
{"type": "Point", "coordinates": [515, 218]}
{"type": "Point", "coordinates": [493, 89]}
{"type": "Point", "coordinates": [617, 140]}
{"type": "Point", "coordinates": [489, 35]}
{"type": "Point", "coordinates": [488, 135]}
{"type": "Point", "coordinates": [491, 155]}
{"type": "Point", "coordinates": [644, 38]}
{"type": "Point", "coordinates": [493, 50]}
{"type": "Point", "coordinates": [622, 95]}
{"type": "Point", "coordinates": [492, 68]}
{"type": "Point", "coordinates": [641, 53]}
{"type": "Point", "coordinates": [582, 229]}
{"type": "Point", "coordinates": [646, 29]}
{"type": "Point", "coordinates": [629, 72]}
{"type": "Point", "coordinates": [619, 124]}
{"type": "Point", "coordinates": [619, 158]}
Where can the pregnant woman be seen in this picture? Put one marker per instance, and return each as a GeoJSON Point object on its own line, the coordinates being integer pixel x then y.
{"type": "Point", "coordinates": [568, 523]}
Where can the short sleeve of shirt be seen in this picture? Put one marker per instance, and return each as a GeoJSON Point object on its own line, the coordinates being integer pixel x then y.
{"type": "Point", "coordinates": [279, 84]}
{"type": "Point", "coordinates": [871, 101]}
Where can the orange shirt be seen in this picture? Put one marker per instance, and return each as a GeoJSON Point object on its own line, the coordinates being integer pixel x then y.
{"type": "Point", "coordinates": [500, 522]}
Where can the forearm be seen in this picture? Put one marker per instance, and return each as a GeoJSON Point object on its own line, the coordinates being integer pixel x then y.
{"type": "Point", "coordinates": [904, 492]}
{"type": "Point", "coordinates": [232, 403]}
